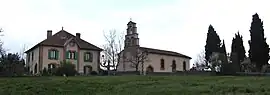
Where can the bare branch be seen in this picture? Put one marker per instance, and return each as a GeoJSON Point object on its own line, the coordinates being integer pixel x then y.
{"type": "Point", "coordinates": [112, 47]}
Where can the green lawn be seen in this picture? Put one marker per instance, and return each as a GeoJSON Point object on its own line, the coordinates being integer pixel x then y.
{"type": "Point", "coordinates": [136, 85]}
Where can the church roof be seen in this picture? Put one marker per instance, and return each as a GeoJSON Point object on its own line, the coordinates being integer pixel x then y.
{"type": "Point", "coordinates": [131, 22]}
{"type": "Point", "coordinates": [59, 39]}
{"type": "Point", "coordinates": [164, 52]}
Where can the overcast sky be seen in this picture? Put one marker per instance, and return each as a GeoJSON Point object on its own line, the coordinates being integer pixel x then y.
{"type": "Point", "coordinates": [176, 25]}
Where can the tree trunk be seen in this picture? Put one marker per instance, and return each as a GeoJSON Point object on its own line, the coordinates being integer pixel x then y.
{"type": "Point", "coordinates": [142, 68]}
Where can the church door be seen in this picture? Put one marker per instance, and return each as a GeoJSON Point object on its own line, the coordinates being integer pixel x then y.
{"type": "Point", "coordinates": [149, 69]}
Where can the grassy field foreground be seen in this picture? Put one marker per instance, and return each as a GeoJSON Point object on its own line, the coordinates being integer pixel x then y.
{"type": "Point", "coordinates": [135, 85]}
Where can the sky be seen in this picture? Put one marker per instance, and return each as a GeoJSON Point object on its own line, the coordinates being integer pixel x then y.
{"type": "Point", "coordinates": [175, 25]}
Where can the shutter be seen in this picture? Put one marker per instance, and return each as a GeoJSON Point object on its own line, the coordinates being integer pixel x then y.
{"type": "Point", "coordinates": [84, 56]}
{"type": "Point", "coordinates": [91, 57]}
{"type": "Point", "coordinates": [67, 53]}
{"type": "Point", "coordinates": [49, 54]}
{"type": "Point", "coordinates": [75, 55]}
{"type": "Point", "coordinates": [56, 55]}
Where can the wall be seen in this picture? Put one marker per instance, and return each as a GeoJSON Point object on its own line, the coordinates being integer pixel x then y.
{"type": "Point", "coordinates": [35, 61]}
{"type": "Point", "coordinates": [154, 61]}
{"type": "Point", "coordinates": [46, 60]}
{"type": "Point", "coordinates": [94, 64]}
{"type": "Point", "coordinates": [72, 48]}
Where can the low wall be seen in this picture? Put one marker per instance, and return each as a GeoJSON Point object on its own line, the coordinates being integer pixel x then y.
{"type": "Point", "coordinates": [179, 73]}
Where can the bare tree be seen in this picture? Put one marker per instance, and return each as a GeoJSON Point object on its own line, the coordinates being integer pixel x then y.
{"type": "Point", "coordinates": [113, 46]}
{"type": "Point", "coordinates": [200, 60]}
{"type": "Point", "coordinates": [21, 53]}
{"type": "Point", "coordinates": [2, 50]}
{"type": "Point", "coordinates": [137, 58]}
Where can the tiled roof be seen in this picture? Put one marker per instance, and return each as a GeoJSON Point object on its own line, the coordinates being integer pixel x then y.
{"type": "Point", "coordinates": [61, 37]}
{"type": "Point", "coordinates": [164, 52]}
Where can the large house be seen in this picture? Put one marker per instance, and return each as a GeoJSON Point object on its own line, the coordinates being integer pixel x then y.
{"type": "Point", "coordinates": [154, 60]}
{"type": "Point", "coordinates": [63, 46]}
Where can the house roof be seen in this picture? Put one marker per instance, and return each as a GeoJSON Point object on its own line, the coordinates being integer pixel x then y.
{"type": "Point", "coordinates": [59, 39]}
{"type": "Point", "coordinates": [164, 52]}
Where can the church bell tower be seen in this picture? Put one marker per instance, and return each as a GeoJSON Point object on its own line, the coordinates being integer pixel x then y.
{"type": "Point", "coordinates": [131, 38]}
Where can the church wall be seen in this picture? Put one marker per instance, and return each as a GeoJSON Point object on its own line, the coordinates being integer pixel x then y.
{"type": "Point", "coordinates": [124, 65]}
{"type": "Point", "coordinates": [155, 62]}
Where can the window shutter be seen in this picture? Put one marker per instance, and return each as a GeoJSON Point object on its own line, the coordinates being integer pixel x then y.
{"type": "Point", "coordinates": [67, 53]}
{"type": "Point", "coordinates": [75, 55]}
{"type": "Point", "coordinates": [49, 54]}
{"type": "Point", "coordinates": [56, 55]}
{"type": "Point", "coordinates": [91, 57]}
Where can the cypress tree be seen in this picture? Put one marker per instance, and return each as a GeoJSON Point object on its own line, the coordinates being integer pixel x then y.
{"type": "Point", "coordinates": [238, 48]}
{"type": "Point", "coordinates": [259, 49]}
{"type": "Point", "coordinates": [212, 43]}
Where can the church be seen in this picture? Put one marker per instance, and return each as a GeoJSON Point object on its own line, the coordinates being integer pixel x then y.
{"type": "Point", "coordinates": [144, 59]}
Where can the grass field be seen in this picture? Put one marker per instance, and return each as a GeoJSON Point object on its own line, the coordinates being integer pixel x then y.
{"type": "Point", "coordinates": [136, 85]}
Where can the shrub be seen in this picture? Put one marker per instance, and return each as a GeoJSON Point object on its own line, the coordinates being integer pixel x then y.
{"type": "Point", "coordinates": [93, 73]}
{"type": "Point", "coordinates": [45, 72]}
{"type": "Point", "coordinates": [66, 68]}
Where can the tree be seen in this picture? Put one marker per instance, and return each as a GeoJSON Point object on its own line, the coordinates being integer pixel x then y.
{"type": "Point", "coordinates": [2, 51]}
{"type": "Point", "coordinates": [113, 46]}
{"type": "Point", "coordinates": [212, 43]}
{"type": "Point", "coordinates": [259, 49]}
{"type": "Point", "coordinates": [239, 49]}
{"type": "Point", "coordinates": [137, 58]}
{"type": "Point", "coordinates": [11, 64]}
{"type": "Point", "coordinates": [223, 51]}
{"type": "Point", "coordinates": [200, 60]}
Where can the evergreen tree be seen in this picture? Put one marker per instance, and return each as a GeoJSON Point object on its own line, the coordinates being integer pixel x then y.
{"type": "Point", "coordinates": [223, 48]}
{"type": "Point", "coordinates": [212, 43]}
{"type": "Point", "coordinates": [239, 49]}
{"type": "Point", "coordinates": [223, 51]}
{"type": "Point", "coordinates": [259, 49]}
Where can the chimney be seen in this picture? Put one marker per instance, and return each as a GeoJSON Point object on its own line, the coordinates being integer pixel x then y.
{"type": "Point", "coordinates": [49, 33]}
{"type": "Point", "coordinates": [78, 35]}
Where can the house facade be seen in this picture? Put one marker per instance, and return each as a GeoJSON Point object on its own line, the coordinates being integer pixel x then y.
{"type": "Point", "coordinates": [153, 60]}
{"type": "Point", "coordinates": [63, 46]}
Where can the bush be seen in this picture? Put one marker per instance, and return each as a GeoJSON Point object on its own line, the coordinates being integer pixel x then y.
{"type": "Point", "coordinates": [93, 73]}
{"type": "Point", "coordinates": [103, 72]}
{"type": "Point", "coordinates": [45, 72]}
{"type": "Point", "coordinates": [66, 68]}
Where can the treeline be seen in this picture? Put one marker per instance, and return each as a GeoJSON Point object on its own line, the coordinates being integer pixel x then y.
{"type": "Point", "coordinates": [11, 64]}
{"type": "Point", "coordinates": [217, 58]}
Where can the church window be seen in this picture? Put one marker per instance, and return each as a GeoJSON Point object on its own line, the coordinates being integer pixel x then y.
{"type": "Point", "coordinates": [132, 40]}
{"type": "Point", "coordinates": [173, 66]}
{"type": "Point", "coordinates": [162, 67]}
{"type": "Point", "coordinates": [184, 66]}
{"type": "Point", "coordinates": [128, 41]}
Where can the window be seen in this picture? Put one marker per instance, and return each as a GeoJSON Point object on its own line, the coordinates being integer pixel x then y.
{"type": "Point", "coordinates": [173, 66]}
{"type": "Point", "coordinates": [53, 54]}
{"type": "Point", "coordinates": [88, 57]}
{"type": "Point", "coordinates": [32, 56]}
{"type": "Point", "coordinates": [184, 66]}
{"type": "Point", "coordinates": [128, 42]}
{"type": "Point", "coordinates": [162, 67]}
{"type": "Point", "coordinates": [71, 55]}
